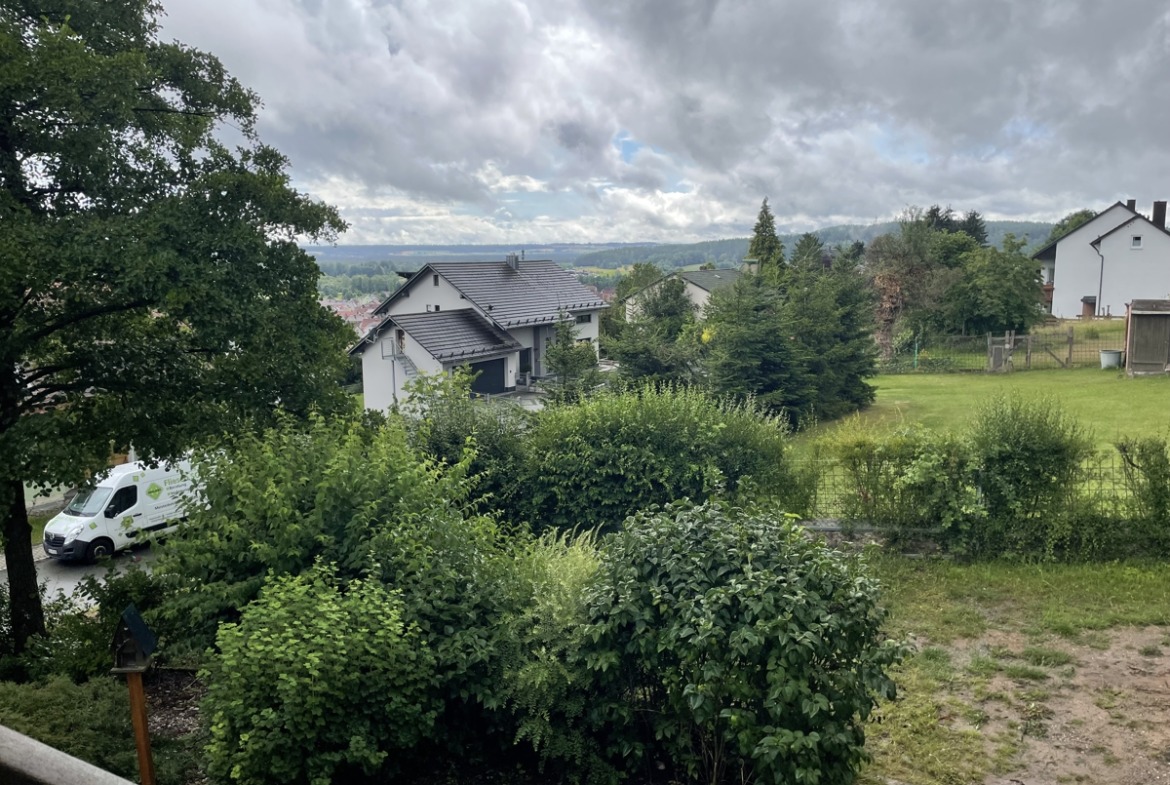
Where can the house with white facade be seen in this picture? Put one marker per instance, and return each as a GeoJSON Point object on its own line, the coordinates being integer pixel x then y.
{"type": "Point", "coordinates": [698, 284]}
{"type": "Point", "coordinates": [1118, 256]}
{"type": "Point", "coordinates": [497, 318]}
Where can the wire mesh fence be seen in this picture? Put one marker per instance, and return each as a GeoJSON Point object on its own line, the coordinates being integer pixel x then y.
{"type": "Point", "coordinates": [1047, 347]}
{"type": "Point", "coordinates": [839, 494]}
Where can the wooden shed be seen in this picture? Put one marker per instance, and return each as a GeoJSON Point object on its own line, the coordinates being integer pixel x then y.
{"type": "Point", "coordinates": [1147, 337]}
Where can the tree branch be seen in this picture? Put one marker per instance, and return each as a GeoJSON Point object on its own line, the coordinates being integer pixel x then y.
{"type": "Point", "coordinates": [83, 316]}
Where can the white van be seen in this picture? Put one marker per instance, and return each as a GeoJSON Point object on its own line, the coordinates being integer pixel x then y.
{"type": "Point", "coordinates": [126, 506]}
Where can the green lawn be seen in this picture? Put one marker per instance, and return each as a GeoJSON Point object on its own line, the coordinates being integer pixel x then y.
{"type": "Point", "coordinates": [1108, 403]}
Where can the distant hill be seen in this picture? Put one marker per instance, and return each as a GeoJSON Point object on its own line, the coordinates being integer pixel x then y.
{"type": "Point", "coordinates": [374, 259]}
{"type": "Point", "coordinates": [383, 259]}
{"type": "Point", "coordinates": [729, 253]}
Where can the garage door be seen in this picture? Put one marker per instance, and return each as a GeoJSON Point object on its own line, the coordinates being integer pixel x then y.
{"type": "Point", "coordinates": [491, 377]}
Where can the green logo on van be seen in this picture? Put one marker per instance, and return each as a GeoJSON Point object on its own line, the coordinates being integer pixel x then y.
{"type": "Point", "coordinates": [154, 491]}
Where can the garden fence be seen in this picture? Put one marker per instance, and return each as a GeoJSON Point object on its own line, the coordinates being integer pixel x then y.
{"type": "Point", "coordinates": [1061, 346]}
{"type": "Point", "coordinates": [834, 490]}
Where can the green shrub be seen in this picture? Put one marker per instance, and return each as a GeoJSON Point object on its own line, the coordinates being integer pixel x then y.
{"type": "Point", "coordinates": [81, 627]}
{"type": "Point", "coordinates": [317, 684]}
{"type": "Point", "coordinates": [1028, 458]}
{"type": "Point", "coordinates": [592, 464]}
{"type": "Point", "coordinates": [358, 496]}
{"type": "Point", "coordinates": [546, 688]}
{"type": "Point", "coordinates": [1146, 467]}
{"type": "Point", "coordinates": [447, 424]}
{"type": "Point", "coordinates": [90, 721]}
{"type": "Point", "coordinates": [277, 502]}
{"type": "Point", "coordinates": [908, 480]}
{"type": "Point", "coordinates": [723, 643]}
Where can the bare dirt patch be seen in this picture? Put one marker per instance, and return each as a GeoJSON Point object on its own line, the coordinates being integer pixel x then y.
{"type": "Point", "coordinates": [1053, 710]}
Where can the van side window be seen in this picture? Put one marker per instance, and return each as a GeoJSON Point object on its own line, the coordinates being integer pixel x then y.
{"type": "Point", "coordinates": [123, 500]}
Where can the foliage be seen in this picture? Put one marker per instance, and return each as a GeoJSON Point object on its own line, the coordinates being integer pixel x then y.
{"type": "Point", "coordinates": [317, 683]}
{"type": "Point", "coordinates": [657, 345]}
{"type": "Point", "coordinates": [90, 721]}
{"type": "Point", "coordinates": [909, 481]}
{"type": "Point", "coordinates": [591, 465]}
{"type": "Point", "coordinates": [1146, 462]}
{"type": "Point", "coordinates": [723, 643]}
{"type": "Point", "coordinates": [1027, 457]}
{"type": "Point", "coordinates": [1069, 223]}
{"type": "Point", "coordinates": [547, 689]}
{"type": "Point", "coordinates": [613, 320]}
{"type": "Point", "coordinates": [765, 247]}
{"type": "Point", "coordinates": [573, 363]}
{"type": "Point", "coordinates": [141, 259]}
{"type": "Point", "coordinates": [445, 423]}
{"type": "Point", "coordinates": [81, 627]}
{"type": "Point", "coordinates": [753, 349]}
{"type": "Point", "coordinates": [830, 312]}
{"type": "Point", "coordinates": [275, 503]}
{"type": "Point", "coordinates": [1000, 290]}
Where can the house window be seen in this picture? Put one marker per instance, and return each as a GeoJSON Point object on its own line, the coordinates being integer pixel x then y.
{"type": "Point", "coordinates": [584, 318]}
{"type": "Point", "coordinates": [435, 280]}
{"type": "Point", "coordinates": [432, 308]}
{"type": "Point", "coordinates": [1135, 241]}
{"type": "Point", "coordinates": [436, 309]}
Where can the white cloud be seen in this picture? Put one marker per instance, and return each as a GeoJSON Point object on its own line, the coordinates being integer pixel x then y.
{"type": "Point", "coordinates": [501, 120]}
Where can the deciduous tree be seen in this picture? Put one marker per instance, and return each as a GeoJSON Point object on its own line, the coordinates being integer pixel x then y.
{"type": "Point", "coordinates": [151, 285]}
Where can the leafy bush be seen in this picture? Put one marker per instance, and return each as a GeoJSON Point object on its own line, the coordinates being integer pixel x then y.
{"type": "Point", "coordinates": [277, 502]}
{"type": "Point", "coordinates": [357, 496]}
{"type": "Point", "coordinates": [1028, 457]}
{"type": "Point", "coordinates": [592, 464]}
{"type": "Point", "coordinates": [81, 627]}
{"type": "Point", "coordinates": [908, 479]}
{"type": "Point", "coordinates": [317, 684]}
{"type": "Point", "coordinates": [90, 721]}
{"type": "Point", "coordinates": [1146, 464]}
{"type": "Point", "coordinates": [724, 643]}
{"type": "Point", "coordinates": [445, 423]}
{"type": "Point", "coordinates": [547, 690]}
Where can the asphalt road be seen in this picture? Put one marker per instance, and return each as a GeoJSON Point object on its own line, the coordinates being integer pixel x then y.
{"type": "Point", "coordinates": [64, 576]}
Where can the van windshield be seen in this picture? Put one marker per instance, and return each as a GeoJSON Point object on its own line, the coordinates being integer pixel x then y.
{"type": "Point", "coordinates": [88, 502]}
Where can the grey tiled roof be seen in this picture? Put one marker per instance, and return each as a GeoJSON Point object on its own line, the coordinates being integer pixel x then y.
{"type": "Point", "coordinates": [534, 293]}
{"type": "Point", "coordinates": [711, 280]}
{"type": "Point", "coordinates": [455, 335]}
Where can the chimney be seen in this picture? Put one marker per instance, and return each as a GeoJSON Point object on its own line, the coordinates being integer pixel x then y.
{"type": "Point", "coordinates": [1131, 204]}
{"type": "Point", "coordinates": [1159, 218]}
{"type": "Point", "coordinates": [513, 261]}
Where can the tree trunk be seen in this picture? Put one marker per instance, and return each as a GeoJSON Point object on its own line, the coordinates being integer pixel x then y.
{"type": "Point", "coordinates": [25, 609]}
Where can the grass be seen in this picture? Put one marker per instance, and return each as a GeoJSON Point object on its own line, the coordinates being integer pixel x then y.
{"type": "Point", "coordinates": [38, 526]}
{"type": "Point", "coordinates": [934, 730]}
{"type": "Point", "coordinates": [1109, 404]}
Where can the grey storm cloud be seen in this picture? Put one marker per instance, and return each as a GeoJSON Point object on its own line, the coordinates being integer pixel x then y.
{"type": "Point", "coordinates": [496, 120]}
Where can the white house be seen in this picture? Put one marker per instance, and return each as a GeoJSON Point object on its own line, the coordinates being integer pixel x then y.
{"type": "Point", "coordinates": [1118, 256]}
{"type": "Point", "coordinates": [699, 284]}
{"type": "Point", "coordinates": [498, 318]}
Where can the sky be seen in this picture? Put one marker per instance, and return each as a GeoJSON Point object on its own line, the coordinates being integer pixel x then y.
{"type": "Point", "coordinates": [530, 121]}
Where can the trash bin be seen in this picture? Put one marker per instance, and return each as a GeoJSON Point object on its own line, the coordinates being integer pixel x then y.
{"type": "Point", "coordinates": [1110, 358]}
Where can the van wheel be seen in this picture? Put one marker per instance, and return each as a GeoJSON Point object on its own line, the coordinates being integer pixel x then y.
{"type": "Point", "coordinates": [99, 549]}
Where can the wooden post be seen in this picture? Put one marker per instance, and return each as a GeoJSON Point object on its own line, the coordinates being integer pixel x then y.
{"type": "Point", "coordinates": [990, 355]}
{"type": "Point", "coordinates": [1070, 347]}
{"type": "Point", "coordinates": [141, 736]}
{"type": "Point", "coordinates": [1028, 355]}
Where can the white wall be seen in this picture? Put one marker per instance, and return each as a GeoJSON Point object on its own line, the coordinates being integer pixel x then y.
{"type": "Point", "coordinates": [1078, 267]}
{"type": "Point", "coordinates": [1134, 273]}
{"type": "Point", "coordinates": [384, 378]}
{"type": "Point", "coordinates": [423, 293]}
